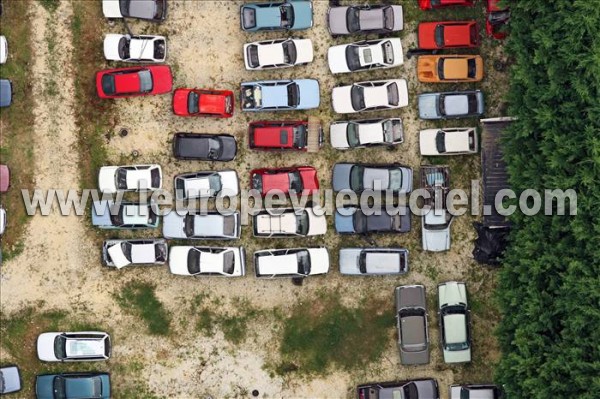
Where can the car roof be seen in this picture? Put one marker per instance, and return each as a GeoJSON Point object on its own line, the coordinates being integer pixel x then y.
{"type": "Point", "coordinates": [413, 330]}
{"type": "Point", "coordinates": [211, 103]}
{"type": "Point", "coordinates": [274, 96]}
{"type": "Point", "coordinates": [455, 328]}
{"type": "Point", "coordinates": [278, 264]}
{"type": "Point", "coordinates": [142, 9]}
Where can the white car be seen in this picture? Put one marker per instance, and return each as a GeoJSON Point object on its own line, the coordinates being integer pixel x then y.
{"type": "Point", "coordinates": [365, 55]}
{"type": "Point", "coordinates": [142, 48]}
{"type": "Point", "coordinates": [83, 346]}
{"type": "Point", "coordinates": [207, 261]}
{"type": "Point", "coordinates": [449, 141]}
{"type": "Point", "coordinates": [212, 225]}
{"type": "Point", "coordinates": [370, 96]}
{"type": "Point", "coordinates": [296, 262]}
{"type": "Point", "coordinates": [366, 133]}
{"type": "Point", "coordinates": [2, 220]}
{"type": "Point", "coordinates": [435, 230]}
{"type": "Point", "coordinates": [279, 53]}
{"type": "Point", "coordinates": [207, 184]}
{"type": "Point", "coordinates": [3, 49]}
{"type": "Point", "coordinates": [289, 223]}
{"type": "Point", "coordinates": [129, 178]}
{"type": "Point", "coordinates": [121, 253]}
{"type": "Point", "coordinates": [453, 316]}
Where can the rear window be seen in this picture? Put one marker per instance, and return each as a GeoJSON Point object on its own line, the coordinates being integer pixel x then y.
{"type": "Point", "coordinates": [293, 95]}
{"type": "Point", "coordinates": [124, 48]}
{"type": "Point", "coordinates": [439, 35]}
{"type": "Point", "coordinates": [472, 68]}
{"type": "Point", "coordinates": [252, 54]}
{"type": "Point", "coordinates": [145, 81]}
{"type": "Point", "coordinates": [440, 142]}
{"type": "Point", "coordinates": [193, 103]}
{"type": "Point", "coordinates": [352, 58]}
{"type": "Point", "coordinates": [388, 18]}
{"type": "Point", "coordinates": [289, 52]}
{"type": "Point", "coordinates": [249, 18]}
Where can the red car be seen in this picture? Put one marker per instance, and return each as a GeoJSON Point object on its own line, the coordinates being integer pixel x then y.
{"type": "Point", "coordinates": [496, 20]}
{"type": "Point", "coordinates": [295, 180]}
{"type": "Point", "coordinates": [134, 81]}
{"type": "Point", "coordinates": [429, 4]}
{"type": "Point", "coordinates": [279, 135]}
{"type": "Point", "coordinates": [4, 178]}
{"type": "Point", "coordinates": [449, 34]}
{"type": "Point", "coordinates": [202, 102]}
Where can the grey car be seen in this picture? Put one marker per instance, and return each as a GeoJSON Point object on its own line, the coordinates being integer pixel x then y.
{"type": "Point", "coordinates": [361, 177]}
{"type": "Point", "coordinates": [365, 19]}
{"type": "Point", "coordinates": [476, 391]}
{"type": "Point", "coordinates": [451, 105]}
{"type": "Point", "coordinates": [207, 226]}
{"type": "Point", "coordinates": [352, 220]}
{"type": "Point", "coordinates": [6, 91]}
{"type": "Point", "coordinates": [426, 388]}
{"type": "Point", "coordinates": [204, 147]}
{"type": "Point", "coordinates": [373, 261]}
{"type": "Point", "coordinates": [411, 318]}
{"type": "Point", "coordinates": [10, 380]}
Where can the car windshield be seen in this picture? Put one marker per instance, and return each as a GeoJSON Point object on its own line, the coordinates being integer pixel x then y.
{"type": "Point", "coordinates": [252, 54]}
{"type": "Point", "coordinates": [440, 104]}
{"type": "Point", "coordinates": [357, 174]}
{"type": "Point", "coordinates": [289, 52]}
{"type": "Point", "coordinates": [352, 134]}
{"type": "Point", "coordinates": [353, 19]}
{"type": "Point", "coordinates": [410, 390]}
{"type": "Point", "coordinates": [295, 181]}
{"type": "Point", "coordinates": [145, 81]}
{"type": "Point", "coordinates": [440, 142]}
{"type": "Point", "coordinates": [392, 131]}
{"type": "Point", "coordinates": [121, 178]}
{"type": "Point", "coordinates": [214, 182]}
{"type": "Point", "coordinates": [352, 57]}
{"type": "Point", "coordinates": [124, 48]}
{"type": "Point", "coordinates": [188, 225]}
{"type": "Point", "coordinates": [126, 248]}
{"type": "Point", "coordinates": [124, 6]}
{"type": "Point", "coordinates": [108, 84]}
{"type": "Point", "coordinates": [395, 179]}
{"type": "Point", "coordinates": [193, 103]}
{"type": "Point", "coordinates": [357, 96]}
{"type": "Point", "coordinates": [303, 262]}
{"type": "Point", "coordinates": [360, 221]}
{"type": "Point", "coordinates": [257, 182]}
{"type": "Point", "coordinates": [302, 223]}
{"type": "Point", "coordinates": [287, 15]}
{"type": "Point", "coordinates": [59, 388]}
{"type": "Point", "coordinates": [193, 261]}
{"type": "Point", "coordinates": [388, 18]}
{"type": "Point", "coordinates": [228, 262]}
{"type": "Point", "coordinates": [300, 136]}
{"type": "Point", "coordinates": [60, 347]}
{"type": "Point", "coordinates": [215, 148]}
{"type": "Point", "coordinates": [439, 35]}
{"type": "Point", "coordinates": [440, 68]}
{"type": "Point", "coordinates": [393, 95]}
{"type": "Point", "coordinates": [293, 95]}
{"type": "Point", "coordinates": [472, 68]}
{"type": "Point", "coordinates": [473, 106]}
{"type": "Point", "coordinates": [117, 219]}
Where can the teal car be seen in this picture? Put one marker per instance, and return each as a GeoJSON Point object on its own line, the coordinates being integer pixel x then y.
{"type": "Point", "coordinates": [277, 15]}
{"type": "Point", "coordinates": [73, 386]}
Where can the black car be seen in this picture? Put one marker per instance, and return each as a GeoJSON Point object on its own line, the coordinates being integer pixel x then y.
{"type": "Point", "coordinates": [353, 220]}
{"type": "Point", "coordinates": [204, 147]}
{"type": "Point", "coordinates": [426, 388]}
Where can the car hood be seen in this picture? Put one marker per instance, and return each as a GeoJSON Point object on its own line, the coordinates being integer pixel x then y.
{"type": "Point", "coordinates": [341, 100]}
{"type": "Point", "coordinates": [319, 260]}
{"type": "Point", "coordinates": [111, 9]}
{"type": "Point", "coordinates": [420, 357]}
{"type": "Point", "coordinates": [338, 134]}
{"type": "Point", "coordinates": [106, 179]}
{"type": "Point", "coordinates": [452, 293]}
{"type": "Point", "coordinates": [428, 108]}
{"type": "Point", "coordinates": [117, 256]}
{"type": "Point", "coordinates": [304, 51]}
{"type": "Point", "coordinates": [317, 224]}
{"type": "Point", "coordinates": [435, 240]}
{"type": "Point", "coordinates": [229, 183]}
{"type": "Point", "coordinates": [5, 92]}
{"type": "Point", "coordinates": [111, 47]}
{"type": "Point", "coordinates": [462, 356]}
{"type": "Point", "coordinates": [178, 260]}
{"type": "Point", "coordinates": [427, 142]}
{"type": "Point", "coordinates": [45, 347]}
{"type": "Point", "coordinates": [336, 18]}
{"type": "Point", "coordinates": [12, 379]}
{"type": "Point", "coordinates": [336, 58]}
{"type": "Point", "coordinates": [398, 21]}
{"type": "Point", "coordinates": [173, 225]}
{"type": "Point", "coordinates": [427, 388]}
{"type": "Point", "coordinates": [344, 223]}
{"type": "Point", "coordinates": [309, 93]}
{"type": "Point", "coordinates": [349, 260]}
{"type": "Point", "coordinates": [303, 14]}
{"type": "Point", "coordinates": [101, 213]}
{"type": "Point", "coordinates": [341, 176]}
{"type": "Point", "coordinates": [180, 101]}
{"type": "Point", "coordinates": [44, 386]}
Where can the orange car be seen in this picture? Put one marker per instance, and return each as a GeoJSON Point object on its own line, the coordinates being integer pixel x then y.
{"type": "Point", "coordinates": [450, 68]}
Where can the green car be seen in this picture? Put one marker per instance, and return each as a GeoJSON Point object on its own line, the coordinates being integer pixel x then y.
{"type": "Point", "coordinates": [73, 386]}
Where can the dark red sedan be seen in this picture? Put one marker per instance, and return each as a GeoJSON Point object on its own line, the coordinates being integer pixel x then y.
{"type": "Point", "coordinates": [429, 4]}
{"type": "Point", "coordinates": [448, 34]}
{"type": "Point", "coordinates": [134, 81]}
{"type": "Point", "coordinates": [295, 180]}
{"type": "Point", "coordinates": [203, 102]}
{"type": "Point", "coordinates": [496, 20]}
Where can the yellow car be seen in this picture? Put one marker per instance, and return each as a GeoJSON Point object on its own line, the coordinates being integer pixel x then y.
{"type": "Point", "coordinates": [450, 68]}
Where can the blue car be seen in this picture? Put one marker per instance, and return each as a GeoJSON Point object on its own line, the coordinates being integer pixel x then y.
{"type": "Point", "coordinates": [72, 386]}
{"type": "Point", "coordinates": [277, 15]}
{"type": "Point", "coordinates": [6, 91]}
{"type": "Point", "coordinates": [280, 95]}
{"type": "Point", "coordinates": [124, 215]}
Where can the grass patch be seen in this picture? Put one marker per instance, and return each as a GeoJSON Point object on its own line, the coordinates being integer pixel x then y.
{"type": "Point", "coordinates": [49, 5]}
{"type": "Point", "coordinates": [16, 121]}
{"type": "Point", "coordinates": [139, 299]}
{"type": "Point", "coordinates": [324, 333]}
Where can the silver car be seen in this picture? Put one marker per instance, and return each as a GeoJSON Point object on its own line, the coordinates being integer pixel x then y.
{"type": "Point", "coordinates": [207, 226]}
{"type": "Point", "coordinates": [411, 318]}
{"type": "Point", "coordinates": [373, 261]}
{"type": "Point", "coordinates": [10, 380]}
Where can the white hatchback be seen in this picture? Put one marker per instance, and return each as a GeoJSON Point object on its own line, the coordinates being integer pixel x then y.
{"type": "Point", "coordinates": [142, 48]}
{"type": "Point", "coordinates": [365, 55]}
{"type": "Point", "coordinates": [370, 96]}
{"type": "Point", "coordinates": [83, 346]}
{"type": "Point", "coordinates": [278, 53]}
{"type": "Point", "coordinates": [129, 178]}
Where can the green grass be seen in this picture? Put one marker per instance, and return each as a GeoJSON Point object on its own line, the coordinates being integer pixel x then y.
{"type": "Point", "coordinates": [323, 333]}
{"type": "Point", "coordinates": [139, 299]}
{"type": "Point", "coordinates": [50, 5]}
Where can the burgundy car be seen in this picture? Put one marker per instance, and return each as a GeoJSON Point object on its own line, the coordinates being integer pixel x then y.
{"type": "Point", "coordinates": [432, 4]}
{"type": "Point", "coordinates": [4, 178]}
{"type": "Point", "coordinates": [279, 135]}
{"type": "Point", "coordinates": [496, 19]}
{"type": "Point", "coordinates": [295, 180]}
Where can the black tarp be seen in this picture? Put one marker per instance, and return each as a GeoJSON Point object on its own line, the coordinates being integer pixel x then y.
{"type": "Point", "coordinates": [490, 244]}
